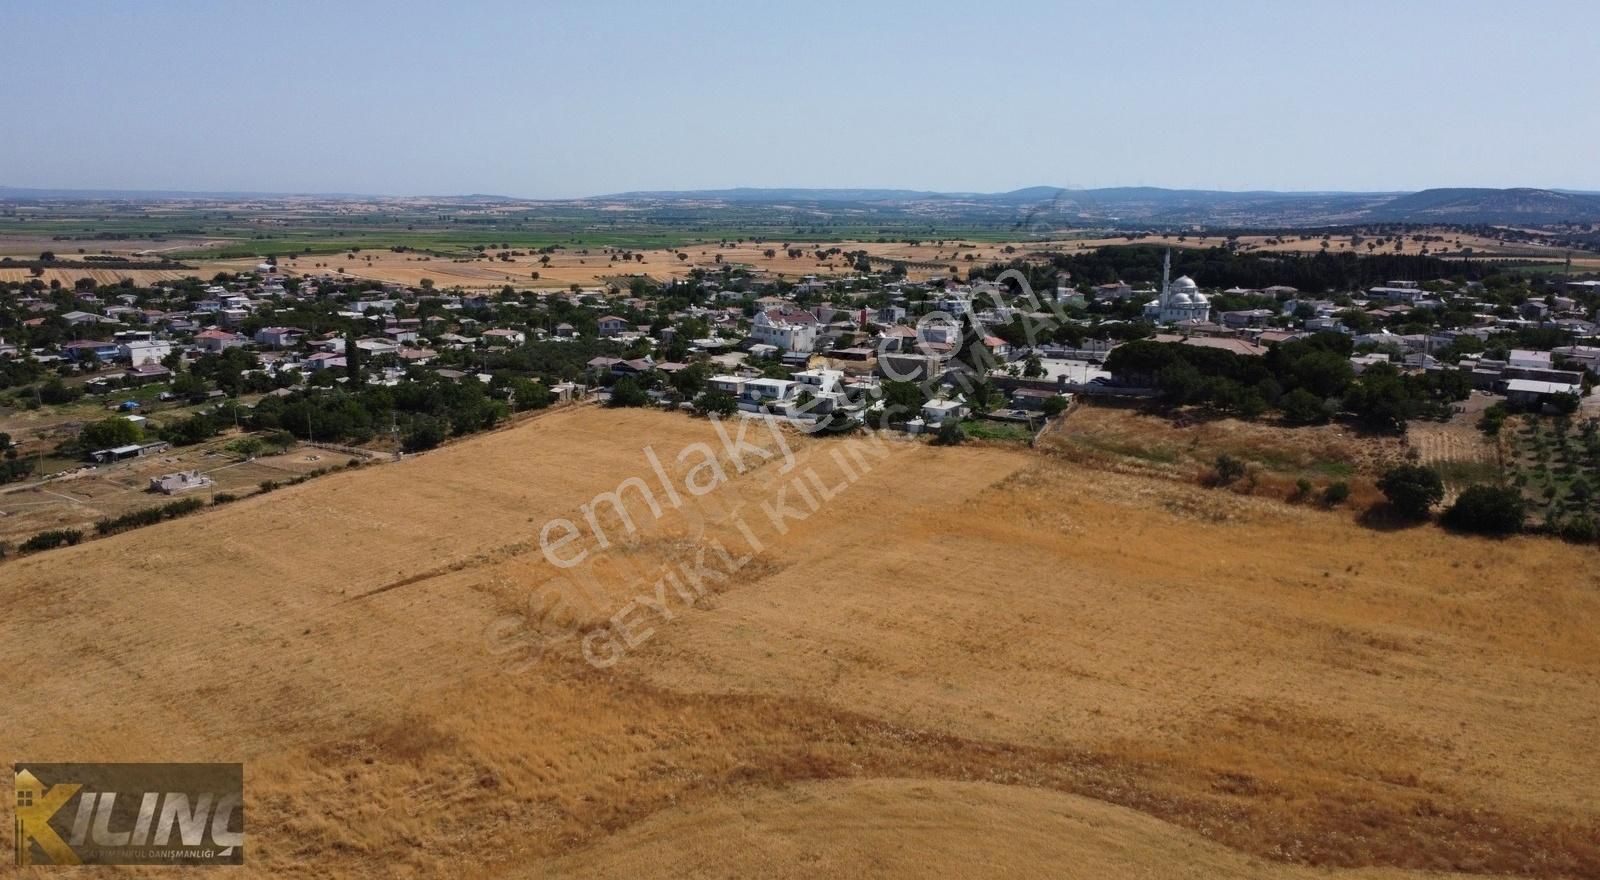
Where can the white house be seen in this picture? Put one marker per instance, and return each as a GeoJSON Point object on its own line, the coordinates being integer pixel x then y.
{"type": "Point", "coordinates": [76, 318]}
{"type": "Point", "coordinates": [1529, 360]}
{"type": "Point", "coordinates": [141, 352]}
{"type": "Point", "coordinates": [376, 347]}
{"type": "Point", "coordinates": [279, 337]}
{"type": "Point", "coordinates": [935, 412]}
{"type": "Point", "coordinates": [218, 340]}
{"type": "Point", "coordinates": [787, 328]}
{"type": "Point", "coordinates": [505, 336]}
{"type": "Point", "coordinates": [758, 391]}
{"type": "Point", "coordinates": [891, 315]}
{"type": "Point", "coordinates": [733, 386]}
{"type": "Point", "coordinates": [826, 388]}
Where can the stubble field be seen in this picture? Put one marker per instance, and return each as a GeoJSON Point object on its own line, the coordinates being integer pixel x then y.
{"type": "Point", "coordinates": [990, 661]}
{"type": "Point", "coordinates": [594, 265]}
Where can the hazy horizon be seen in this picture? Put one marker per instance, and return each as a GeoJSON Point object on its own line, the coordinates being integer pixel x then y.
{"type": "Point", "coordinates": [568, 100]}
{"type": "Point", "coordinates": [716, 189]}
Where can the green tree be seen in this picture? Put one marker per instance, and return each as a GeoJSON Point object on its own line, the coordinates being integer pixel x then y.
{"type": "Point", "coordinates": [691, 380]}
{"type": "Point", "coordinates": [1323, 373]}
{"type": "Point", "coordinates": [527, 394]}
{"type": "Point", "coordinates": [1487, 510]}
{"type": "Point", "coordinates": [1494, 416]}
{"type": "Point", "coordinates": [628, 393]}
{"type": "Point", "coordinates": [108, 433]}
{"type": "Point", "coordinates": [189, 386]}
{"type": "Point", "coordinates": [1303, 407]}
{"type": "Point", "coordinates": [1412, 489]}
{"type": "Point", "coordinates": [716, 402]}
{"type": "Point", "coordinates": [903, 399]}
{"type": "Point", "coordinates": [55, 391]}
{"type": "Point", "coordinates": [425, 433]}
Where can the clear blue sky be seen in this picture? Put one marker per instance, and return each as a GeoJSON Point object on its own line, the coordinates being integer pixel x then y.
{"type": "Point", "coordinates": [563, 99]}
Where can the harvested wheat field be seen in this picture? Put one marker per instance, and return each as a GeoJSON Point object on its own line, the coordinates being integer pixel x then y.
{"type": "Point", "coordinates": [874, 658]}
{"type": "Point", "coordinates": [600, 266]}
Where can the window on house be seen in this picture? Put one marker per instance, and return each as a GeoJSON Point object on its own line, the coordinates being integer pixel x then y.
{"type": "Point", "coordinates": [24, 798]}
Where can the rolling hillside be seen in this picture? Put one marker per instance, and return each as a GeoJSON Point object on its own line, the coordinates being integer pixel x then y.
{"type": "Point", "coordinates": [971, 661]}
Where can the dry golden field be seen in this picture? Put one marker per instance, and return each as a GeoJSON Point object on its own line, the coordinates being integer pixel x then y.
{"type": "Point", "coordinates": [973, 662]}
{"type": "Point", "coordinates": [601, 266]}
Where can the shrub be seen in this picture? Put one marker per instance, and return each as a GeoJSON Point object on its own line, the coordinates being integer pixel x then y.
{"type": "Point", "coordinates": [1412, 489]}
{"type": "Point", "coordinates": [717, 402]}
{"type": "Point", "coordinates": [187, 432]}
{"type": "Point", "coordinates": [54, 391]}
{"type": "Point", "coordinates": [1487, 510]}
{"type": "Point", "coordinates": [268, 486]}
{"type": "Point", "coordinates": [149, 516]}
{"type": "Point", "coordinates": [1492, 419]}
{"type": "Point", "coordinates": [1229, 469]}
{"type": "Point", "coordinates": [1581, 529]}
{"type": "Point", "coordinates": [223, 498]}
{"type": "Point", "coordinates": [1302, 489]}
{"type": "Point", "coordinates": [426, 433]}
{"type": "Point", "coordinates": [950, 434]}
{"type": "Point", "coordinates": [1055, 406]}
{"type": "Point", "coordinates": [249, 447]}
{"type": "Point", "coordinates": [51, 539]}
{"type": "Point", "coordinates": [1303, 407]}
{"type": "Point", "coordinates": [628, 393]}
{"type": "Point", "coordinates": [1336, 494]}
{"type": "Point", "coordinates": [13, 469]}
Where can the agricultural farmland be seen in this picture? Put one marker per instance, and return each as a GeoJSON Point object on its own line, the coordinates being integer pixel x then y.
{"type": "Point", "coordinates": [1005, 656]}
{"type": "Point", "coordinates": [486, 245]}
{"type": "Point", "coordinates": [1556, 464]}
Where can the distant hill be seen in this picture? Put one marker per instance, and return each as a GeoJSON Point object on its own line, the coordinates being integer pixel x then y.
{"type": "Point", "coordinates": [1156, 206]}
{"type": "Point", "coordinates": [1475, 205]}
{"type": "Point", "coordinates": [758, 194]}
{"type": "Point", "coordinates": [1039, 208]}
{"type": "Point", "coordinates": [20, 193]}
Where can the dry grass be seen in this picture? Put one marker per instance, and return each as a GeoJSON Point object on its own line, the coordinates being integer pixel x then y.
{"type": "Point", "coordinates": [954, 652]}
{"type": "Point", "coordinates": [1185, 446]}
{"type": "Point", "coordinates": [600, 266]}
{"type": "Point", "coordinates": [82, 497]}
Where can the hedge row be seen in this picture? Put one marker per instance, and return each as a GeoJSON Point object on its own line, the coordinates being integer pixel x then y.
{"type": "Point", "coordinates": [148, 516]}
{"type": "Point", "coordinates": [51, 539]}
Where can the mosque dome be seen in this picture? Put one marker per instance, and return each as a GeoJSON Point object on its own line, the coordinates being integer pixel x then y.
{"type": "Point", "coordinates": [1185, 283]}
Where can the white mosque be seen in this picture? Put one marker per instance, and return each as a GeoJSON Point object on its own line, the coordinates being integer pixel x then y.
{"type": "Point", "coordinates": [1180, 300]}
